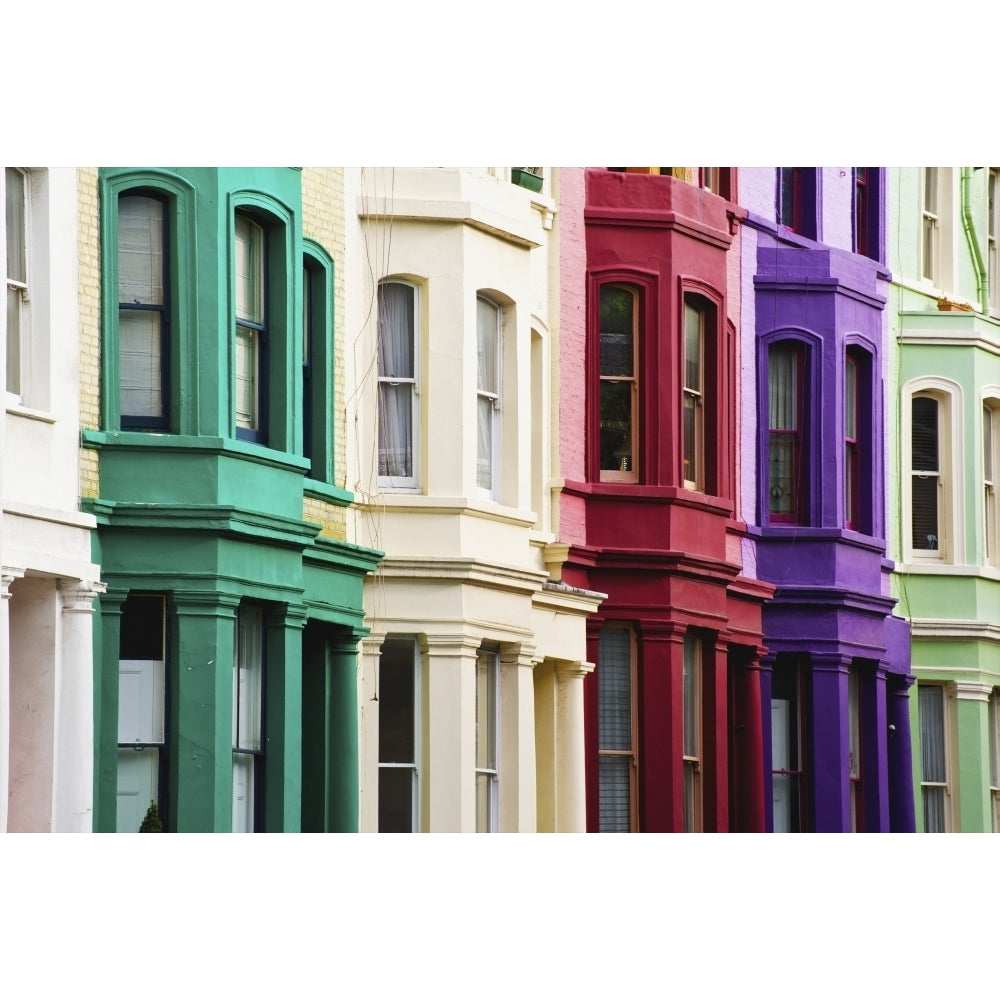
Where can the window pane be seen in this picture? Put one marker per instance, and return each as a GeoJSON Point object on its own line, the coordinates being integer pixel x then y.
{"type": "Point", "coordinates": [690, 439]}
{"type": "Point", "coordinates": [785, 803]}
{"type": "Point", "coordinates": [617, 326]}
{"type": "Point", "coordinates": [854, 723]}
{"type": "Point", "coordinates": [615, 794]}
{"type": "Point", "coordinates": [14, 340]}
{"type": "Point", "coordinates": [243, 793]}
{"type": "Point", "coordinates": [934, 803]}
{"type": "Point", "coordinates": [138, 784]}
{"type": "Point", "coordinates": [395, 330]}
{"type": "Point", "coordinates": [692, 346]}
{"type": "Point", "coordinates": [16, 231]}
{"type": "Point", "coordinates": [783, 388]}
{"type": "Point", "coordinates": [396, 739]}
{"type": "Point", "coordinates": [486, 803]}
{"type": "Point", "coordinates": [140, 354]}
{"type": "Point", "coordinates": [247, 677]}
{"type": "Point", "coordinates": [987, 444]}
{"type": "Point", "coordinates": [925, 512]}
{"type": "Point", "coordinates": [395, 799]}
{"type": "Point", "coordinates": [932, 749]}
{"type": "Point", "coordinates": [486, 737]}
{"type": "Point", "coordinates": [249, 271]}
{"type": "Point", "coordinates": [851, 398]}
{"type": "Point", "coordinates": [484, 442]}
{"type": "Point", "coordinates": [994, 710]}
{"type": "Point", "coordinates": [930, 190]}
{"type": "Point", "coordinates": [925, 434]}
{"type": "Point", "coordinates": [782, 474]}
{"type": "Point", "coordinates": [692, 665]}
{"type": "Point", "coordinates": [140, 250]}
{"type": "Point", "coordinates": [614, 689]}
{"type": "Point", "coordinates": [488, 339]}
{"type": "Point", "coordinates": [395, 421]}
{"type": "Point", "coordinates": [246, 377]}
{"type": "Point", "coordinates": [616, 426]}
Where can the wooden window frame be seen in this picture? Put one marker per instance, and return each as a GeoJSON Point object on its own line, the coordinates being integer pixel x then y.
{"type": "Point", "coordinates": [18, 287]}
{"type": "Point", "coordinates": [255, 428]}
{"type": "Point", "coordinates": [860, 207]}
{"type": "Point", "coordinates": [693, 750]}
{"type": "Point", "coordinates": [632, 754]}
{"type": "Point", "coordinates": [946, 754]}
{"type": "Point", "coordinates": [852, 430]}
{"type": "Point", "coordinates": [797, 434]}
{"type": "Point", "coordinates": [792, 667]}
{"type": "Point", "coordinates": [489, 820]}
{"type": "Point", "coordinates": [991, 465]}
{"type": "Point", "coordinates": [632, 473]}
{"type": "Point", "coordinates": [254, 617]}
{"type": "Point", "coordinates": [693, 396]}
{"type": "Point", "coordinates": [413, 766]}
{"type": "Point", "coordinates": [493, 396]}
{"type": "Point", "coordinates": [930, 226]}
{"type": "Point", "coordinates": [937, 474]}
{"type": "Point", "coordinates": [411, 482]}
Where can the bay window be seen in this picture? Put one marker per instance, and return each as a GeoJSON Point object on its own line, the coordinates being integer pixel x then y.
{"type": "Point", "coordinates": [251, 329]}
{"type": "Point", "coordinates": [488, 403]}
{"type": "Point", "coordinates": [488, 740]}
{"type": "Point", "coordinates": [785, 376]}
{"type": "Point", "coordinates": [616, 709]}
{"type": "Point", "coordinates": [934, 790]}
{"type": "Point", "coordinates": [619, 384]}
{"type": "Point", "coordinates": [398, 736]}
{"type": "Point", "coordinates": [143, 316]}
{"type": "Point", "coordinates": [142, 764]}
{"type": "Point", "coordinates": [398, 418]}
{"type": "Point", "coordinates": [248, 723]}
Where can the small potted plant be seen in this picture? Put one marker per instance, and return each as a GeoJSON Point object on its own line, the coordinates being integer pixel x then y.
{"type": "Point", "coordinates": [151, 822]}
{"type": "Point", "coordinates": [527, 177]}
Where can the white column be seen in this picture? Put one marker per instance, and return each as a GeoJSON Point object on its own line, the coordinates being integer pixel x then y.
{"type": "Point", "coordinates": [8, 575]}
{"type": "Point", "coordinates": [518, 799]}
{"type": "Point", "coordinates": [571, 788]}
{"type": "Point", "coordinates": [450, 773]}
{"type": "Point", "coordinates": [73, 753]}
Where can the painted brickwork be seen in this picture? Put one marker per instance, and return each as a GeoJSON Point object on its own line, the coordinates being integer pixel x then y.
{"type": "Point", "coordinates": [90, 321]}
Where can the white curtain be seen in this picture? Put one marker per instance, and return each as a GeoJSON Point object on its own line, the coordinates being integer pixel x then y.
{"type": "Point", "coordinates": [488, 388]}
{"type": "Point", "coordinates": [396, 379]}
{"type": "Point", "coordinates": [932, 756]}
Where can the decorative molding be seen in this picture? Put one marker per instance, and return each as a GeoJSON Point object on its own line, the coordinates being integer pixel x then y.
{"type": "Point", "coordinates": [968, 691]}
{"type": "Point", "coordinates": [78, 595]}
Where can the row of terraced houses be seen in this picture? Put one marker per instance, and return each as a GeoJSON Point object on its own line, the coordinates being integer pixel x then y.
{"type": "Point", "coordinates": [502, 499]}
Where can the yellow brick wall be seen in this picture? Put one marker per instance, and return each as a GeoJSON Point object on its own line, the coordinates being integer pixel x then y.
{"type": "Point", "coordinates": [323, 221]}
{"type": "Point", "coordinates": [90, 321]}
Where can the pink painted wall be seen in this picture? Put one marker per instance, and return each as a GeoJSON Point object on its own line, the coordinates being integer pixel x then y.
{"type": "Point", "coordinates": [572, 342]}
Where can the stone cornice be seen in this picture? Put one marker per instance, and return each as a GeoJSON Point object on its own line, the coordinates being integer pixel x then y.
{"type": "Point", "coordinates": [944, 628]}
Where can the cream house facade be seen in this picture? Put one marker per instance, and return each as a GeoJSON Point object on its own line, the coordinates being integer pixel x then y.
{"type": "Point", "coordinates": [48, 581]}
{"type": "Point", "coordinates": [471, 696]}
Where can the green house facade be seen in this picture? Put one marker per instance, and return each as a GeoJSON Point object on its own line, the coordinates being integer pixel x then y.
{"type": "Point", "coordinates": [945, 434]}
{"type": "Point", "coordinates": [226, 643]}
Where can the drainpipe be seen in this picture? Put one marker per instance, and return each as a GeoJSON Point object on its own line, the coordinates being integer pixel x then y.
{"type": "Point", "coordinates": [970, 233]}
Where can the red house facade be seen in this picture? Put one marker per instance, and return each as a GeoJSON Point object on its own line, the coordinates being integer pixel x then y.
{"type": "Point", "coordinates": [673, 708]}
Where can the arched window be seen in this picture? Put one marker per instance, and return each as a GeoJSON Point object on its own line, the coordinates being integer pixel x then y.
{"type": "Point", "coordinates": [397, 384]}
{"type": "Point", "coordinates": [786, 362]}
{"type": "Point", "coordinates": [619, 383]}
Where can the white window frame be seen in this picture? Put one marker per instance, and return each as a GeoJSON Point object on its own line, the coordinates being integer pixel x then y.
{"type": "Point", "coordinates": [248, 657]}
{"type": "Point", "coordinates": [936, 228]}
{"type": "Point", "coordinates": [951, 549]}
{"type": "Point", "coordinates": [492, 395]}
{"type": "Point", "coordinates": [992, 235]}
{"type": "Point", "coordinates": [488, 820]}
{"type": "Point", "coordinates": [414, 765]}
{"type": "Point", "coordinates": [990, 437]}
{"type": "Point", "coordinates": [19, 290]}
{"type": "Point", "coordinates": [946, 729]}
{"type": "Point", "coordinates": [409, 483]}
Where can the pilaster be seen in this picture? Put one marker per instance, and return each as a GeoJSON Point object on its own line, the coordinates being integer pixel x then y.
{"type": "Point", "coordinates": [107, 645]}
{"type": "Point", "coordinates": [830, 743]}
{"type": "Point", "coordinates": [571, 787]}
{"type": "Point", "coordinates": [517, 739]}
{"type": "Point", "coordinates": [973, 777]}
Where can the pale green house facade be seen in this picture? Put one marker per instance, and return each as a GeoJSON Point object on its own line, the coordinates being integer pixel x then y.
{"type": "Point", "coordinates": [944, 375]}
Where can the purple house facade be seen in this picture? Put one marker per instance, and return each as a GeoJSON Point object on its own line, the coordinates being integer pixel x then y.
{"type": "Point", "coordinates": [835, 679]}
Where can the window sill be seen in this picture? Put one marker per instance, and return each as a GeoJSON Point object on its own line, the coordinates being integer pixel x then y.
{"type": "Point", "coordinates": [327, 492]}
{"type": "Point", "coordinates": [17, 409]}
